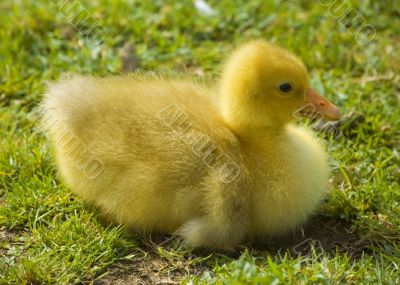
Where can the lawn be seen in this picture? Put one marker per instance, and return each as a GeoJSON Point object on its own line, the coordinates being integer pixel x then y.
{"type": "Point", "coordinates": [49, 236]}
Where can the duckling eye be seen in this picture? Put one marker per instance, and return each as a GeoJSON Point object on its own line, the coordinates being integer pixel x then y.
{"type": "Point", "coordinates": [285, 87]}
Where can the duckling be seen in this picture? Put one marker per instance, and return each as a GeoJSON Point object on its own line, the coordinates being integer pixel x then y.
{"type": "Point", "coordinates": [216, 165]}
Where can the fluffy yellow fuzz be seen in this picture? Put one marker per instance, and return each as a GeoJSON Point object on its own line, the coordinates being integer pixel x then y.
{"type": "Point", "coordinates": [216, 165]}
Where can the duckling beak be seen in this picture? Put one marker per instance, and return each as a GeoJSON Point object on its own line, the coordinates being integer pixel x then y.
{"type": "Point", "coordinates": [319, 105]}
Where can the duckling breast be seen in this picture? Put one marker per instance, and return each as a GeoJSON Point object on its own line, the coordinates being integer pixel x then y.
{"type": "Point", "coordinates": [290, 182]}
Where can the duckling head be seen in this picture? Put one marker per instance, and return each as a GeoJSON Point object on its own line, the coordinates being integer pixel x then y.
{"type": "Point", "coordinates": [264, 86]}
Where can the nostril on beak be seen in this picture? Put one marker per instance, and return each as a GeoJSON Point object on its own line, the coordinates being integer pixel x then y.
{"type": "Point", "coordinates": [322, 104]}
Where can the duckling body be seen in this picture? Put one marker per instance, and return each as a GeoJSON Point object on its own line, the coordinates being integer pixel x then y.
{"type": "Point", "coordinates": [176, 156]}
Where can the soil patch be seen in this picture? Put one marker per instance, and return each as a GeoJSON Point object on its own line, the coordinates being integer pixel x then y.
{"type": "Point", "coordinates": [7, 238]}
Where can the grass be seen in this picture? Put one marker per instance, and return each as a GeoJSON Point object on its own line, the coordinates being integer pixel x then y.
{"type": "Point", "coordinates": [47, 235]}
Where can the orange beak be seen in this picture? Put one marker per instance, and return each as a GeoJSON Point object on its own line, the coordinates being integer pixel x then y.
{"type": "Point", "coordinates": [317, 105]}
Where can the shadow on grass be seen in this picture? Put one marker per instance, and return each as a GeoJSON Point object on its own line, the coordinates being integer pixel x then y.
{"type": "Point", "coordinates": [165, 260]}
{"type": "Point", "coordinates": [321, 233]}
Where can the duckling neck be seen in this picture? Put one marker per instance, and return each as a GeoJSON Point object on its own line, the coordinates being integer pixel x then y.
{"type": "Point", "coordinates": [260, 137]}
{"type": "Point", "coordinates": [252, 134]}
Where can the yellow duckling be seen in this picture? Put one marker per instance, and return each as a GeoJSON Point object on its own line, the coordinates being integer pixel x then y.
{"type": "Point", "coordinates": [216, 165]}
